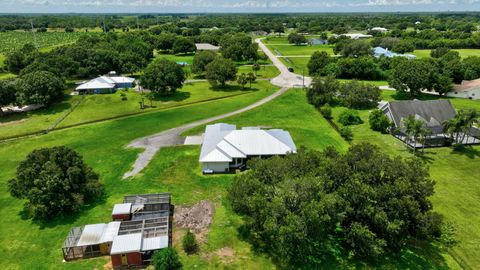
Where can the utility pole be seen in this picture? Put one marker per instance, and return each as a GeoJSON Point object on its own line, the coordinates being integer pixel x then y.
{"type": "Point", "coordinates": [33, 33]}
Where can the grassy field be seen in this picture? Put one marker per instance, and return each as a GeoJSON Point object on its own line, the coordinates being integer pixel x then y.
{"type": "Point", "coordinates": [305, 50]}
{"type": "Point", "coordinates": [456, 174]}
{"type": "Point", "coordinates": [10, 41]}
{"type": "Point", "coordinates": [463, 53]}
{"type": "Point", "coordinates": [97, 107]}
{"type": "Point", "coordinates": [176, 170]}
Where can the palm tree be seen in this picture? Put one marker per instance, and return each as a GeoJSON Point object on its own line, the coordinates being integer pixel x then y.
{"type": "Point", "coordinates": [461, 124]}
{"type": "Point", "coordinates": [415, 128]}
{"type": "Point", "coordinates": [470, 118]}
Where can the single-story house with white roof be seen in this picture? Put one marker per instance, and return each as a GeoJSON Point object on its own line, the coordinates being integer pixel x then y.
{"type": "Point", "coordinates": [206, 47]}
{"type": "Point", "coordinates": [105, 84]}
{"type": "Point", "coordinates": [379, 52]}
{"type": "Point", "coordinates": [225, 148]}
{"type": "Point", "coordinates": [379, 29]}
{"type": "Point", "coordinates": [467, 89]}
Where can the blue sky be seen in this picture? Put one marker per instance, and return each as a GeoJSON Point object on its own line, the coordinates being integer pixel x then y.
{"type": "Point", "coordinates": [186, 6]}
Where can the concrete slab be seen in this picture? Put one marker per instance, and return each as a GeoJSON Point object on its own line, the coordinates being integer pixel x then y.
{"type": "Point", "coordinates": [194, 140]}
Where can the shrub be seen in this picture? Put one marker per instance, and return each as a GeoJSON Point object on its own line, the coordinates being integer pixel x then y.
{"type": "Point", "coordinates": [379, 121]}
{"type": "Point", "coordinates": [346, 133]}
{"type": "Point", "coordinates": [350, 117]}
{"type": "Point", "coordinates": [54, 181]}
{"type": "Point", "coordinates": [189, 243]}
{"type": "Point", "coordinates": [326, 111]}
{"type": "Point", "coordinates": [166, 259]}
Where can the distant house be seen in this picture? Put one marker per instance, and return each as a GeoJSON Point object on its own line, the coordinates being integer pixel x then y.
{"type": "Point", "coordinates": [467, 89]}
{"type": "Point", "coordinates": [379, 29]}
{"type": "Point", "coordinates": [105, 84]}
{"type": "Point", "coordinates": [357, 36]}
{"type": "Point", "coordinates": [142, 224]}
{"type": "Point", "coordinates": [317, 41]}
{"type": "Point", "coordinates": [260, 33]}
{"type": "Point", "coordinates": [225, 148]}
{"type": "Point", "coordinates": [206, 47]}
{"type": "Point", "coordinates": [433, 113]}
{"type": "Point", "coordinates": [379, 52]}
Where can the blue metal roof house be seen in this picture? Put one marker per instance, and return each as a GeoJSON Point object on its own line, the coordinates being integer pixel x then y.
{"type": "Point", "coordinates": [379, 51]}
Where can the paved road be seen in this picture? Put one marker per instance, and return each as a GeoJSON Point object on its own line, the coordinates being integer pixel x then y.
{"type": "Point", "coordinates": [171, 137]}
{"type": "Point", "coordinates": [286, 78]}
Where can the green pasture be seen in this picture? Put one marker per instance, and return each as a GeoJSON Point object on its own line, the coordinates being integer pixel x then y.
{"type": "Point", "coordinates": [98, 107]}
{"type": "Point", "coordinates": [463, 53]}
{"type": "Point", "coordinates": [302, 50]}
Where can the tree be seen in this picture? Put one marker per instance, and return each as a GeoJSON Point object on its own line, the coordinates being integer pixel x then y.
{"type": "Point", "coordinates": [346, 133]}
{"type": "Point", "coordinates": [322, 91]}
{"type": "Point", "coordinates": [251, 78]}
{"type": "Point", "coordinates": [379, 121]}
{"type": "Point", "coordinates": [442, 84]}
{"type": "Point", "coordinates": [317, 63]}
{"type": "Point", "coordinates": [255, 67]}
{"type": "Point", "coordinates": [242, 80]}
{"type": "Point", "coordinates": [201, 60]}
{"type": "Point", "coordinates": [321, 205]}
{"type": "Point", "coordinates": [19, 59]}
{"type": "Point", "coordinates": [7, 94]}
{"type": "Point", "coordinates": [439, 52]}
{"type": "Point", "coordinates": [414, 129]}
{"type": "Point", "coordinates": [296, 39]}
{"type": "Point", "coordinates": [189, 243]}
{"type": "Point", "coordinates": [359, 95]}
{"type": "Point", "coordinates": [220, 71]}
{"type": "Point", "coordinates": [164, 41]}
{"type": "Point", "coordinates": [39, 87]}
{"type": "Point", "coordinates": [356, 48]}
{"type": "Point", "coordinates": [166, 259]}
{"type": "Point", "coordinates": [461, 125]}
{"type": "Point", "coordinates": [350, 117]}
{"type": "Point", "coordinates": [163, 77]}
{"type": "Point", "coordinates": [54, 181]}
{"type": "Point", "coordinates": [403, 46]}
{"type": "Point", "coordinates": [183, 45]}
{"type": "Point", "coordinates": [411, 76]}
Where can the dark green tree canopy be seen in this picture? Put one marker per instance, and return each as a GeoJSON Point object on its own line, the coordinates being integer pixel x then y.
{"type": "Point", "coordinates": [39, 87]}
{"type": "Point", "coordinates": [322, 91]}
{"type": "Point", "coordinates": [54, 181]}
{"type": "Point", "coordinates": [7, 93]}
{"type": "Point", "coordinates": [183, 45]}
{"type": "Point", "coordinates": [220, 71]}
{"type": "Point", "coordinates": [163, 77]}
{"type": "Point", "coordinates": [318, 61]}
{"type": "Point", "coordinates": [308, 208]}
{"type": "Point", "coordinates": [297, 39]}
{"type": "Point", "coordinates": [166, 259]}
{"type": "Point", "coordinates": [201, 60]}
{"type": "Point", "coordinates": [411, 76]}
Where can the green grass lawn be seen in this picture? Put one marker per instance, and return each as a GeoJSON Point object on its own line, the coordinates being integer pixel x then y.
{"type": "Point", "coordinates": [456, 173]}
{"type": "Point", "coordinates": [2, 60]}
{"type": "Point", "coordinates": [463, 53]}
{"type": "Point", "coordinates": [263, 73]}
{"type": "Point", "coordinates": [176, 170]}
{"type": "Point", "coordinates": [287, 50]}
{"type": "Point", "coordinates": [97, 107]}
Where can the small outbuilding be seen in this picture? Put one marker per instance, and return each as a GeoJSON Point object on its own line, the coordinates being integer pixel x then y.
{"type": "Point", "coordinates": [206, 47]}
{"type": "Point", "coordinates": [379, 29]}
{"type": "Point", "coordinates": [467, 89]}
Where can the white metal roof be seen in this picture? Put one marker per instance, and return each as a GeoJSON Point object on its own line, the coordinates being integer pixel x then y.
{"type": "Point", "coordinates": [126, 243]}
{"type": "Point", "coordinates": [155, 243]}
{"type": "Point", "coordinates": [104, 82]}
{"type": "Point", "coordinates": [206, 47]}
{"type": "Point", "coordinates": [94, 234]}
{"type": "Point", "coordinates": [121, 208]}
{"type": "Point", "coordinates": [110, 231]}
{"type": "Point", "coordinates": [91, 234]}
{"type": "Point", "coordinates": [223, 142]}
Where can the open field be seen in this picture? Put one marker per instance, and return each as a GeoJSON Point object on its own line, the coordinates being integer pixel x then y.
{"type": "Point", "coordinates": [13, 40]}
{"type": "Point", "coordinates": [456, 174]}
{"type": "Point", "coordinates": [176, 170]}
{"type": "Point", "coordinates": [98, 107]}
{"type": "Point", "coordinates": [304, 50]}
{"type": "Point", "coordinates": [463, 53]}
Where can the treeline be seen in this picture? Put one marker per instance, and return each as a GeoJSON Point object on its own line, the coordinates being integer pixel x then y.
{"type": "Point", "coordinates": [356, 61]}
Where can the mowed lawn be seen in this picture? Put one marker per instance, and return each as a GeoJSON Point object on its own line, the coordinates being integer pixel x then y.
{"type": "Point", "coordinates": [304, 50]}
{"type": "Point", "coordinates": [98, 107]}
{"type": "Point", "coordinates": [175, 170]}
{"type": "Point", "coordinates": [457, 190]}
{"type": "Point", "coordinates": [463, 53]}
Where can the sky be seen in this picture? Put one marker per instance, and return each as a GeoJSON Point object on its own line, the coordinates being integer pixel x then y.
{"type": "Point", "coordinates": [249, 6]}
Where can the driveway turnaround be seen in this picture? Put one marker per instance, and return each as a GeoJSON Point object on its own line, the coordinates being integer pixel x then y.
{"type": "Point", "coordinates": [171, 137]}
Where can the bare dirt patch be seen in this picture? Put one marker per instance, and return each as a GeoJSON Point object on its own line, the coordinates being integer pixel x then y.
{"type": "Point", "coordinates": [197, 218]}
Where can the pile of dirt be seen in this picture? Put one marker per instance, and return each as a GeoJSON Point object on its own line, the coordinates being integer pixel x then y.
{"type": "Point", "coordinates": [197, 217]}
